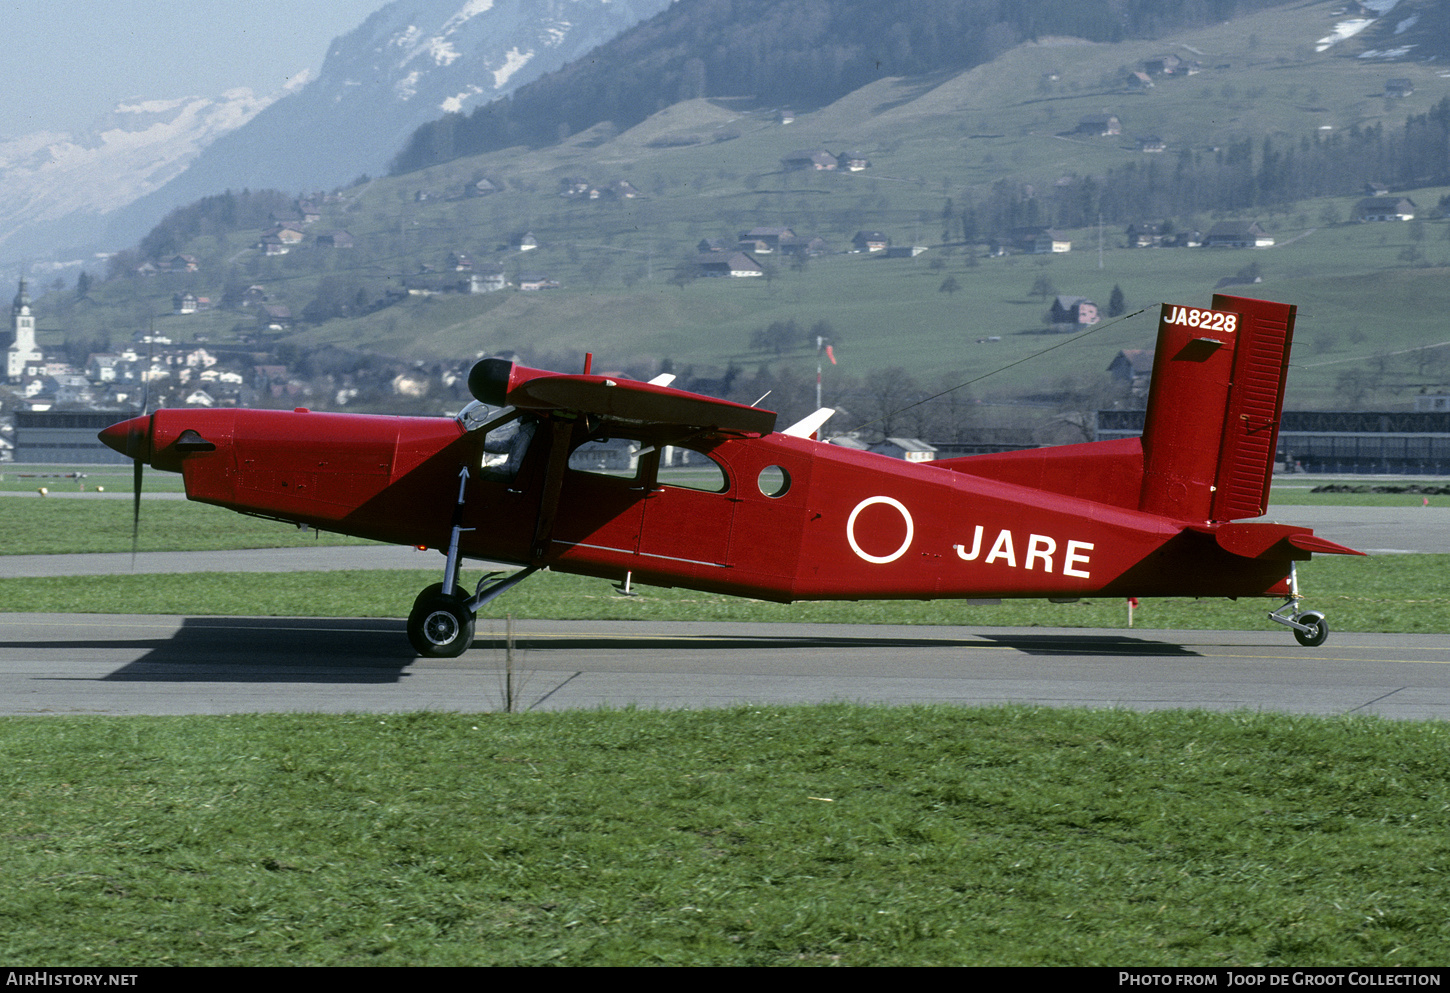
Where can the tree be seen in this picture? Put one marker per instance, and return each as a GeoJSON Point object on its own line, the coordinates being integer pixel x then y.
{"type": "Point", "coordinates": [949, 286]}
{"type": "Point", "coordinates": [1117, 303]}
{"type": "Point", "coordinates": [1042, 288]}
{"type": "Point", "coordinates": [889, 390]}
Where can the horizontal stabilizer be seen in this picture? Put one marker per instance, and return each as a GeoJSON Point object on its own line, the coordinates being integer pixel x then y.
{"type": "Point", "coordinates": [1314, 543]}
{"type": "Point", "coordinates": [1264, 540]}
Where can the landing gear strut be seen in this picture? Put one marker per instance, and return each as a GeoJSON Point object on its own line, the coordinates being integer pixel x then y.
{"type": "Point", "coordinates": [440, 625]}
{"type": "Point", "coordinates": [1310, 628]}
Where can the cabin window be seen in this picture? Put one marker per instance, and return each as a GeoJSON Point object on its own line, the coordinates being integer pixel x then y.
{"type": "Point", "coordinates": [691, 470]}
{"type": "Point", "coordinates": [774, 481]}
{"type": "Point", "coordinates": [618, 457]}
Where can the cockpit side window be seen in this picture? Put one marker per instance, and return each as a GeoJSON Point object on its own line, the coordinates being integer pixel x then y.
{"type": "Point", "coordinates": [505, 446]}
{"type": "Point", "coordinates": [690, 469]}
{"type": "Point", "coordinates": [619, 457]}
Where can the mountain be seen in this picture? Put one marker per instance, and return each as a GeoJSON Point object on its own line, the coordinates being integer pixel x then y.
{"type": "Point", "coordinates": [405, 65]}
{"type": "Point", "coordinates": [803, 54]}
{"type": "Point", "coordinates": [55, 187]}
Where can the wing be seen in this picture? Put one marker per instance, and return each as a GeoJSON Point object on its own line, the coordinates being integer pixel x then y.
{"type": "Point", "coordinates": [499, 382]}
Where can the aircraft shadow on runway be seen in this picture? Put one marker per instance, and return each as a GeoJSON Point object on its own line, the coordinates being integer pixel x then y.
{"type": "Point", "coordinates": [375, 650]}
{"type": "Point", "coordinates": [266, 650]}
{"type": "Point", "coordinates": [1026, 644]}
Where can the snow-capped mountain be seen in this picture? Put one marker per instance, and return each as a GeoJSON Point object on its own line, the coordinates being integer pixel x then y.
{"type": "Point", "coordinates": [409, 63]}
{"type": "Point", "coordinates": [55, 186]}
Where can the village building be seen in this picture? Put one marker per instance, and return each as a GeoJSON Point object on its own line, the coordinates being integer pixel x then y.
{"type": "Point", "coordinates": [816, 159]}
{"type": "Point", "coordinates": [1132, 368]}
{"type": "Point", "coordinates": [1073, 310]}
{"type": "Point", "coordinates": [21, 350]}
{"type": "Point", "coordinates": [1099, 124]}
{"type": "Point", "coordinates": [1238, 234]}
{"type": "Point", "coordinates": [907, 449]}
{"type": "Point", "coordinates": [1384, 209]}
{"type": "Point", "coordinates": [870, 241]}
{"type": "Point", "coordinates": [733, 264]}
{"type": "Point", "coordinates": [1040, 241]}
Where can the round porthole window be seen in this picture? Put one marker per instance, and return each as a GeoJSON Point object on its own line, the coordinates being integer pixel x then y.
{"type": "Point", "coordinates": [774, 481]}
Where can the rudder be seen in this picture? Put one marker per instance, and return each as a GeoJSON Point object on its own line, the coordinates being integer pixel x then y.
{"type": "Point", "coordinates": [1212, 423]}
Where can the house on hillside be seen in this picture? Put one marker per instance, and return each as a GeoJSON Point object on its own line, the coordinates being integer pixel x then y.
{"type": "Point", "coordinates": [1238, 234]}
{"type": "Point", "coordinates": [1040, 241]}
{"type": "Point", "coordinates": [817, 159]}
{"type": "Point", "coordinates": [485, 279]}
{"type": "Point", "coordinates": [1073, 310]}
{"type": "Point", "coordinates": [1399, 87]}
{"type": "Point", "coordinates": [1099, 124]}
{"type": "Point", "coordinates": [1145, 235]}
{"type": "Point", "coordinates": [870, 241]}
{"type": "Point", "coordinates": [1132, 368]}
{"type": "Point", "coordinates": [532, 282]}
{"type": "Point", "coordinates": [733, 264]}
{"type": "Point", "coordinates": [802, 246]}
{"type": "Point", "coordinates": [523, 241]}
{"type": "Point", "coordinates": [1151, 144]}
{"type": "Point", "coordinates": [763, 239]}
{"type": "Point", "coordinates": [336, 239]}
{"type": "Point", "coordinates": [1385, 209]}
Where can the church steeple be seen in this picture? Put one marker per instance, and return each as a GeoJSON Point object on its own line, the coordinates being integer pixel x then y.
{"type": "Point", "coordinates": [19, 340]}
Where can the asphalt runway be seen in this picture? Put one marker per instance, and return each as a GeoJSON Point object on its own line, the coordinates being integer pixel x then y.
{"type": "Point", "coordinates": [135, 664]}
{"type": "Point", "coordinates": [138, 664]}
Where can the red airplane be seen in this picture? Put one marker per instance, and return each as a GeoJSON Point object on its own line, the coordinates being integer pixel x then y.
{"type": "Point", "coordinates": [639, 482]}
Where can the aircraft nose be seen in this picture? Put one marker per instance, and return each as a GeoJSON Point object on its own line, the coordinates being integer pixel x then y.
{"type": "Point", "coordinates": [131, 438]}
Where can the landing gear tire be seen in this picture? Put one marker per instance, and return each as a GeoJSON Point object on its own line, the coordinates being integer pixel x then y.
{"type": "Point", "coordinates": [1318, 629]}
{"type": "Point", "coordinates": [441, 625]}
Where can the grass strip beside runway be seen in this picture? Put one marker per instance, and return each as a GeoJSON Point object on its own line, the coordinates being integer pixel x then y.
{"type": "Point", "coordinates": [1401, 593]}
{"type": "Point", "coordinates": [751, 836]}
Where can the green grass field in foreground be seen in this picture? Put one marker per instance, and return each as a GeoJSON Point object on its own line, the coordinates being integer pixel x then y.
{"type": "Point", "coordinates": [1391, 593]}
{"type": "Point", "coordinates": [753, 836]}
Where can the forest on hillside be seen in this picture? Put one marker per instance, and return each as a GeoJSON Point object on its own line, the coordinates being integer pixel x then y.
{"type": "Point", "coordinates": [1244, 176]}
{"type": "Point", "coordinates": [802, 54]}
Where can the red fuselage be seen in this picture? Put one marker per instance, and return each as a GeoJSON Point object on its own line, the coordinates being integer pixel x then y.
{"type": "Point", "coordinates": [841, 524]}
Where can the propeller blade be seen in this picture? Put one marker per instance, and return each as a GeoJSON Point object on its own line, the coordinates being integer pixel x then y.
{"type": "Point", "coordinates": [136, 467]}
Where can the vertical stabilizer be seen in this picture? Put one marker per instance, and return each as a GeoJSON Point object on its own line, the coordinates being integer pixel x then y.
{"type": "Point", "coordinates": [1212, 424]}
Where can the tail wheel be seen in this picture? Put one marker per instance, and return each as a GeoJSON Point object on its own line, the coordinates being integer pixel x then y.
{"type": "Point", "coordinates": [1318, 629]}
{"type": "Point", "coordinates": [440, 625]}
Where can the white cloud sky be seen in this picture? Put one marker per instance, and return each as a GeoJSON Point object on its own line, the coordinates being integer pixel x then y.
{"type": "Point", "coordinates": [66, 62]}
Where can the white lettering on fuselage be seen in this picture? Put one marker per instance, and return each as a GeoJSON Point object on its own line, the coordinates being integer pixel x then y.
{"type": "Point", "coordinates": [1040, 551]}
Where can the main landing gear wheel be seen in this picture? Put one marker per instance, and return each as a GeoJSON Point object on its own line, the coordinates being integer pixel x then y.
{"type": "Point", "coordinates": [1318, 629]}
{"type": "Point", "coordinates": [441, 625]}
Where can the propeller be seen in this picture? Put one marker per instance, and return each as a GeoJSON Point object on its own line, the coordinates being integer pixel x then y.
{"type": "Point", "coordinates": [132, 439]}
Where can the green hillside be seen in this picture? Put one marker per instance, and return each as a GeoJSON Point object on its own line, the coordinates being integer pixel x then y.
{"type": "Point", "coordinates": [1371, 296]}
